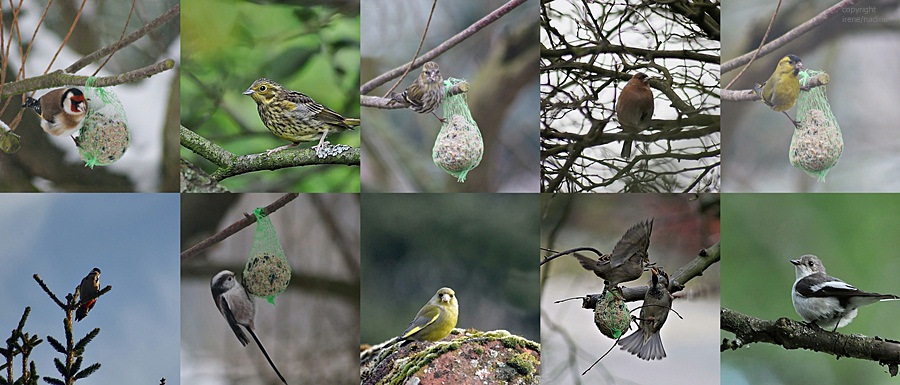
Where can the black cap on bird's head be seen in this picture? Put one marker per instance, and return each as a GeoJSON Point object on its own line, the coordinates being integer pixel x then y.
{"type": "Point", "coordinates": [795, 62]}
{"type": "Point", "coordinates": [97, 269]}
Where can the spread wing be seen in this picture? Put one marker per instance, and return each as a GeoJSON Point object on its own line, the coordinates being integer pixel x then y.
{"type": "Point", "coordinates": [634, 243]}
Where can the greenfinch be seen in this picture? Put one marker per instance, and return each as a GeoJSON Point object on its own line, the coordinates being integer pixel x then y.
{"type": "Point", "coordinates": [634, 108]}
{"type": "Point", "coordinates": [435, 320]}
{"type": "Point", "coordinates": [781, 90]}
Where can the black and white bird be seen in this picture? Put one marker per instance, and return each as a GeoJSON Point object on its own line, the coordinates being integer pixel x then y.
{"type": "Point", "coordinates": [824, 300]}
{"type": "Point", "coordinates": [238, 309]}
{"type": "Point", "coordinates": [62, 110]}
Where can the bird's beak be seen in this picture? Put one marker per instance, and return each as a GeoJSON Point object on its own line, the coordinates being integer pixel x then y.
{"type": "Point", "coordinates": [796, 262]}
{"type": "Point", "coordinates": [445, 298]}
{"type": "Point", "coordinates": [248, 91]}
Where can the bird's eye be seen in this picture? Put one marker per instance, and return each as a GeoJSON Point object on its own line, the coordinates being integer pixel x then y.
{"type": "Point", "coordinates": [262, 88]}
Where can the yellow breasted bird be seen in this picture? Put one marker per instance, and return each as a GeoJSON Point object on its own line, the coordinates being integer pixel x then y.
{"type": "Point", "coordinates": [293, 116]}
{"type": "Point", "coordinates": [435, 320]}
{"type": "Point", "coordinates": [780, 92]}
{"type": "Point", "coordinates": [62, 110]}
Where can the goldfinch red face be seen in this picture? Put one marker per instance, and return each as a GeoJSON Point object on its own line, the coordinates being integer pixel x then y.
{"type": "Point", "coordinates": [62, 110]}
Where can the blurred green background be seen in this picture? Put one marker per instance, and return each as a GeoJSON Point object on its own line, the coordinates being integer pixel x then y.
{"type": "Point", "coordinates": [683, 225]}
{"type": "Point", "coordinates": [483, 246]}
{"type": "Point", "coordinates": [855, 236]}
{"type": "Point", "coordinates": [310, 49]}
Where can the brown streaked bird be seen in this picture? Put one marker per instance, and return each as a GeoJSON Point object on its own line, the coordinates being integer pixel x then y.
{"type": "Point", "coordinates": [62, 110]}
{"type": "Point", "coordinates": [426, 93]}
{"type": "Point", "coordinates": [634, 108]}
{"type": "Point", "coordinates": [293, 116]}
{"type": "Point", "coordinates": [627, 260]}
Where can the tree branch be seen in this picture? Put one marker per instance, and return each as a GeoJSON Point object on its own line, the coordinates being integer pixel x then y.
{"type": "Point", "coordinates": [789, 36]}
{"type": "Point", "coordinates": [96, 55]}
{"type": "Point", "coordinates": [230, 164]}
{"type": "Point", "coordinates": [791, 335]}
{"type": "Point", "coordinates": [749, 95]}
{"type": "Point", "coordinates": [391, 104]}
{"type": "Point", "coordinates": [443, 47]}
{"type": "Point", "coordinates": [59, 78]}
{"type": "Point", "coordinates": [236, 226]}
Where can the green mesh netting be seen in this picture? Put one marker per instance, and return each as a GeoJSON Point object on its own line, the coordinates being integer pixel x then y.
{"type": "Point", "coordinates": [104, 136]}
{"type": "Point", "coordinates": [458, 147]}
{"type": "Point", "coordinates": [817, 144]}
{"type": "Point", "coordinates": [611, 315]}
{"type": "Point", "coordinates": [267, 272]}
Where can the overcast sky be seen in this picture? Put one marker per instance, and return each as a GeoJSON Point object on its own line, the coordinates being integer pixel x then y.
{"type": "Point", "coordinates": [133, 239]}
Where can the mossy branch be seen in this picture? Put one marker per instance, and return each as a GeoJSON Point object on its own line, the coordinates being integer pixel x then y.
{"type": "Point", "coordinates": [230, 165]}
{"type": "Point", "coordinates": [791, 335]}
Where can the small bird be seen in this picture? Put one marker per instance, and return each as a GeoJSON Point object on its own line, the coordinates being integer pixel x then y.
{"type": "Point", "coordinates": [90, 285]}
{"type": "Point", "coordinates": [62, 110]}
{"type": "Point", "coordinates": [634, 108]}
{"type": "Point", "coordinates": [646, 342]}
{"type": "Point", "coordinates": [238, 309]}
{"type": "Point", "coordinates": [627, 260]}
{"type": "Point", "coordinates": [426, 93]}
{"type": "Point", "coordinates": [435, 320]}
{"type": "Point", "coordinates": [826, 301]}
{"type": "Point", "coordinates": [293, 116]}
{"type": "Point", "coordinates": [780, 92]}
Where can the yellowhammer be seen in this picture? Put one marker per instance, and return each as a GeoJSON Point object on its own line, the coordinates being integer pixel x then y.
{"type": "Point", "coordinates": [294, 116]}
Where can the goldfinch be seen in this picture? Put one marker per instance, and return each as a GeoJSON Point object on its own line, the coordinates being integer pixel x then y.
{"type": "Point", "coordinates": [62, 110]}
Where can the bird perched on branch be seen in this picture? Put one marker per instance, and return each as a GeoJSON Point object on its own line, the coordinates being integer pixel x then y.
{"type": "Point", "coordinates": [780, 92]}
{"type": "Point", "coordinates": [627, 260]}
{"type": "Point", "coordinates": [826, 301]}
{"type": "Point", "coordinates": [293, 116]}
{"type": "Point", "coordinates": [634, 108]}
{"type": "Point", "coordinates": [90, 286]}
{"type": "Point", "coordinates": [62, 110]}
{"type": "Point", "coordinates": [426, 93]}
{"type": "Point", "coordinates": [646, 342]}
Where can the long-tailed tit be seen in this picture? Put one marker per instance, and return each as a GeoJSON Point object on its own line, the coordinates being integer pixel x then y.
{"type": "Point", "coordinates": [824, 300]}
{"type": "Point", "coordinates": [90, 285]}
{"type": "Point", "coordinates": [627, 260]}
{"type": "Point", "coordinates": [645, 342]}
{"type": "Point", "coordinates": [238, 309]}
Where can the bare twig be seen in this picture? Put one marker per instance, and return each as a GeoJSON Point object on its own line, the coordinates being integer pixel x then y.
{"type": "Point", "coordinates": [59, 78]}
{"type": "Point", "coordinates": [418, 49]}
{"type": "Point", "coordinates": [789, 36]}
{"type": "Point", "coordinates": [235, 227]}
{"type": "Point", "coordinates": [443, 47]}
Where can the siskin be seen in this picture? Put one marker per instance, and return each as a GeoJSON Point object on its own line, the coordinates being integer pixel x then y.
{"type": "Point", "coordinates": [426, 93]}
{"type": "Point", "coordinates": [634, 108]}
{"type": "Point", "coordinates": [781, 90]}
{"type": "Point", "coordinates": [293, 116]}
